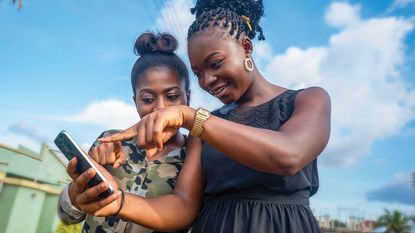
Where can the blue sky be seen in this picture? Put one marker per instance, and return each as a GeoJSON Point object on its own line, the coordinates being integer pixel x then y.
{"type": "Point", "coordinates": [66, 65]}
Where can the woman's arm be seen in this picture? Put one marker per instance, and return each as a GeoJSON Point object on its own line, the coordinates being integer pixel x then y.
{"type": "Point", "coordinates": [165, 213]}
{"type": "Point", "coordinates": [286, 151]}
{"type": "Point", "coordinates": [68, 213]}
{"type": "Point", "coordinates": [176, 210]}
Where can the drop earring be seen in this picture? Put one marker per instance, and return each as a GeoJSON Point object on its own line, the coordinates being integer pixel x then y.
{"type": "Point", "coordinates": [249, 64]}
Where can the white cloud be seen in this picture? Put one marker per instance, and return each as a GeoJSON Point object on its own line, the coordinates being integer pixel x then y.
{"type": "Point", "coordinates": [360, 67]}
{"type": "Point", "coordinates": [14, 139]}
{"type": "Point", "coordinates": [108, 113]}
{"type": "Point", "coordinates": [285, 67]}
{"type": "Point", "coordinates": [403, 3]}
{"type": "Point", "coordinates": [341, 14]}
{"type": "Point", "coordinates": [399, 4]}
{"type": "Point", "coordinates": [175, 17]}
{"type": "Point", "coordinates": [263, 52]}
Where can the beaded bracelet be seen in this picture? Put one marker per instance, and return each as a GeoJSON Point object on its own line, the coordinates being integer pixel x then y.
{"type": "Point", "coordinates": [122, 203]}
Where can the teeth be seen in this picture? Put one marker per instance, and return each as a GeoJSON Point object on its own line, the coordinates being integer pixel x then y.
{"type": "Point", "coordinates": [219, 90]}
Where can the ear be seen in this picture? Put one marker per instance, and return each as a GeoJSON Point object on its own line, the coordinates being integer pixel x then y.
{"type": "Point", "coordinates": [247, 45]}
{"type": "Point", "coordinates": [136, 106]}
{"type": "Point", "coordinates": [188, 98]}
{"type": "Point", "coordinates": [134, 100]}
{"type": "Point", "coordinates": [135, 103]}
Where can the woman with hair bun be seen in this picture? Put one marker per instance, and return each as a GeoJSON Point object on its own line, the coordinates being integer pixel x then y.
{"type": "Point", "coordinates": [159, 78]}
{"type": "Point", "coordinates": [251, 165]}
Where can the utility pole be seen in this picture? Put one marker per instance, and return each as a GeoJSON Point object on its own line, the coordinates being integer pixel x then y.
{"type": "Point", "coordinates": [413, 185]}
{"type": "Point", "coordinates": [19, 4]}
{"type": "Point", "coordinates": [413, 179]}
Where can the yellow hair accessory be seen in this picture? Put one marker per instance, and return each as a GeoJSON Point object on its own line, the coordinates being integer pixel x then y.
{"type": "Point", "coordinates": [247, 21]}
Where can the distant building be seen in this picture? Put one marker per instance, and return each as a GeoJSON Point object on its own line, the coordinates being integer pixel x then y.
{"type": "Point", "coordinates": [368, 225]}
{"type": "Point", "coordinates": [30, 184]}
{"type": "Point", "coordinates": [354, 225]}
{"type": "Point", "coordinates": [324, 221]}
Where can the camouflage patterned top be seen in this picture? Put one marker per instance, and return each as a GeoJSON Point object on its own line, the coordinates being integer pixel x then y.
{"type": "Point", "coordinates": [138, 176]}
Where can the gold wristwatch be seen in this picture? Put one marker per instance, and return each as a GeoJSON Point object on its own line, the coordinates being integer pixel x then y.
{"type": "Point", "coordinates": [201, 117]}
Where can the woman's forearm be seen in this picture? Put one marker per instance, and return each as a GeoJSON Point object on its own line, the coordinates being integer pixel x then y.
{"type": "Point", "coordinates": [167, 213]}
{"type": "Point", "coordinates": [281, 152]}
{"type": "Point", "coordinates": [173, 211]}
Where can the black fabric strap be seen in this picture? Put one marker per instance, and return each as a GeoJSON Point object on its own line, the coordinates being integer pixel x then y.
{"type": "Point", "coordinates": [122, 203]}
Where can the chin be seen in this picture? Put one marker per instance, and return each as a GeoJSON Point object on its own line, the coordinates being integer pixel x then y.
{"type": "Point", "coordinates": [226, 100]}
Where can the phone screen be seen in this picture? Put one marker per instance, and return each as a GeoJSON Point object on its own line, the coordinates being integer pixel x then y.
{"type": "Point", "coordinates": [69, 148]}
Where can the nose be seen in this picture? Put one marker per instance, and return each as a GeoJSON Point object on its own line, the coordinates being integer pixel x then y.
{"type": "Point", "coordinates": [160, 104]}
{"type": "Point", "coordinates": [208, 80]}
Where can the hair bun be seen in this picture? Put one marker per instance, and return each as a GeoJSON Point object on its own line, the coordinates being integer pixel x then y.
{"type": "Point", "coordinates": [149, 42]}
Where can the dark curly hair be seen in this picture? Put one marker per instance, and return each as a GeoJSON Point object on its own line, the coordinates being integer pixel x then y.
{"type": "Point", "coordinates": [228, 14]}
{"type": "Point", "coordinates": [157, 50]}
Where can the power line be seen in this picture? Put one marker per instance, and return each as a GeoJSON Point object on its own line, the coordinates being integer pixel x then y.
{"type": "Point", "coordinates": [149, 13]}
{"type": "Point", "coordinates": [170, 20]}
{"type": "Point", "coordinates": [173, 15]}
{"type": "Point", "coordinates": [171, 23]}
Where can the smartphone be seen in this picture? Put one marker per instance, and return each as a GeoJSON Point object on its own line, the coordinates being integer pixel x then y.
{"type": "Point", "coordinates": [70, 149]}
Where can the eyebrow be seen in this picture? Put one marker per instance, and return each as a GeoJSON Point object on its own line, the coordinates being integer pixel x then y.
{"type": "Point", "coordinates": [164, 91]}
{"type": "Point", "coordinates": [208, 58]}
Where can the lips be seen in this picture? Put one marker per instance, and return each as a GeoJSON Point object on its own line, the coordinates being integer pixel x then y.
{"type": "Point", "coordinates": [218, 91]}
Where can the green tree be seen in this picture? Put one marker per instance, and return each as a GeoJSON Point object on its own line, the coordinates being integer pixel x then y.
{"type": "Point", "coordinates": [73, 228]}
{"type": "Point", "coordinates": [395, 222]}
{"type": "Point", "coordinates": [338, 224]}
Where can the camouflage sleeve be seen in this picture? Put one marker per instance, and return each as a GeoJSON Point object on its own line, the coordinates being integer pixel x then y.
{"type": "Point", "coordinates": [68, 213]}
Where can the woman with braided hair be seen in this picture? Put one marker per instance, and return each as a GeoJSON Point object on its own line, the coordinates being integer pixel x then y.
{"type": "Point", "coordinates": [251, 165]}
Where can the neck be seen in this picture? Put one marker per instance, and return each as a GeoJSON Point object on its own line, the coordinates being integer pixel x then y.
{"type": "Point", "coordinates": [259, 91]}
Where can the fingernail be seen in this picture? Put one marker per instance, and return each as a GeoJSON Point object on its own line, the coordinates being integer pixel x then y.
{"type": "Point", "coordinates": [90, 172]}
{"type": "Point", "coordinates": [102, 185]}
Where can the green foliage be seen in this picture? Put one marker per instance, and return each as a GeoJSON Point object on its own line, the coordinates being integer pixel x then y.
{"type": "Point", "coordinates": [395, 222]}
{"type": "Point", "coordinates": [338, 224]}
{"type": "Point", "coordinates": [73, 228]}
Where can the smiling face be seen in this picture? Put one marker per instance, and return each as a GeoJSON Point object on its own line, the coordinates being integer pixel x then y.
{"type": "Point", "coordinates": [158, 88]}
{"type": "Point", "coordinates": [218, 64]}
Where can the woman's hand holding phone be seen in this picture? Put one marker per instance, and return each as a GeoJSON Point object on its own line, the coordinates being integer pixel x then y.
{"type": "Point", "coordinates": [86, 198]}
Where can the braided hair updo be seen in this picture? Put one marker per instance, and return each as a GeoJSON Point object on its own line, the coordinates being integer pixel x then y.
{"type": "Point", "coordinates": [236, 16]}
{"type": "Point", "coordinates": [157, 51]}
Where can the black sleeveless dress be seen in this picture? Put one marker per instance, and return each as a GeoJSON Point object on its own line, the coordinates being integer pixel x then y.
{"type": "Point", "coordinates": [239, 199]}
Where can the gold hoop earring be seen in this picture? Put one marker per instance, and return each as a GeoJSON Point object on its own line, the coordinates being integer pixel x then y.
{"type": "Point", "coordinates": [249, 64]}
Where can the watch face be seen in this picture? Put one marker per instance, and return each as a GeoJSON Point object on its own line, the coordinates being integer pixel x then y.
{"type": "Point", "coordinates": [203, 111]}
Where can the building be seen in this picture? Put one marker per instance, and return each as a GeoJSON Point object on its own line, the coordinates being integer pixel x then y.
{"type": "Point", "coordinates": [30, 184]}
{"type": "Point", "coordinates": [368, 225]}
{"type": "Point", "coordinates": [353, 225]}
